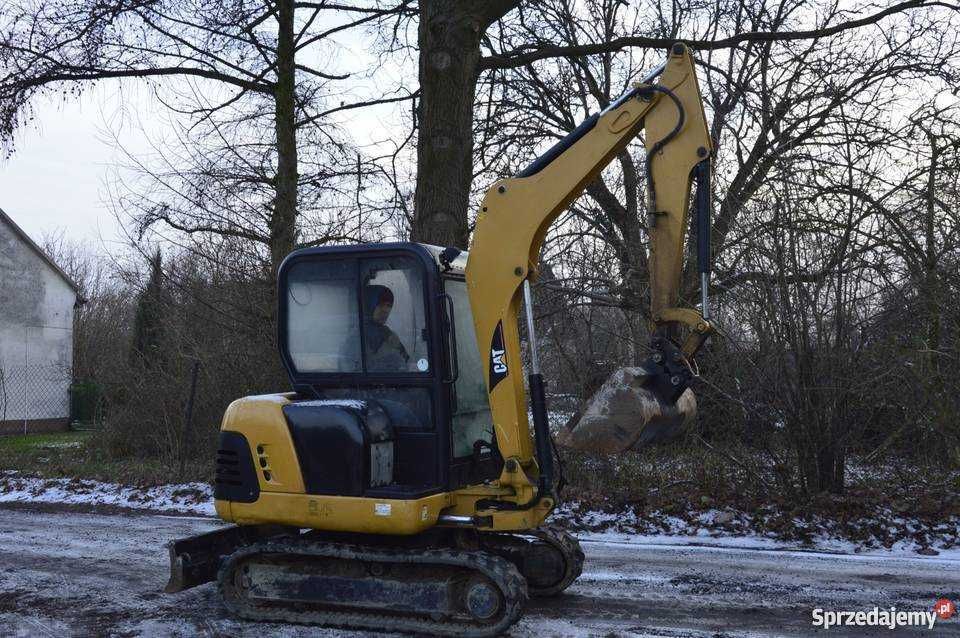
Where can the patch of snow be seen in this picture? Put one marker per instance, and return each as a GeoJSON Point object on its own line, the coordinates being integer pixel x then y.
{"type": "Point", "coordinates": [279, 397]}
{"type": "Point", "coordinates": [194, 498]}
{"type": "Point", "coordinates": [617, 576]}
{"type": "Point", "coordinates": [352, 404]}
{"type": "Point", "coordinates": [593, 519]}
{"type": "Point", "coordinates": [716, 517]}
{"type": "Point", "coordinates": [555, 419]}
{"type": "Point", "coordinates": [742, 529]}
{"type": "Point", "coordinates": [828, 547]}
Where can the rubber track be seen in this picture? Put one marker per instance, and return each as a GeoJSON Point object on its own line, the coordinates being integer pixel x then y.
{"type": "Point", "coordinates": [567, 545]}
{"type": "Point", "coordinates": [503, 573]}
{"type": "Point", "coordinates": [572, 553]}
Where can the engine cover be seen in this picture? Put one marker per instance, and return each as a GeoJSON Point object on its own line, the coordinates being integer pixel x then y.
{"type": "Point", "coordinates": [344, 446]}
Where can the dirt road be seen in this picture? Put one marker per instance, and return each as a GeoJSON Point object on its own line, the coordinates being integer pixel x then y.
{"type": "Point", "coordinates": [64, 573]}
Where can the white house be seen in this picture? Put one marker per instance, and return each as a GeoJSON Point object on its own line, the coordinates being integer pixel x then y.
{"type": "Point", "coordinates": [37, 301]}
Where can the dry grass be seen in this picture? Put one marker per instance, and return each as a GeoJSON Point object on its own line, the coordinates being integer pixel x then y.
{"type": "Point", "coordinates": [80, 455]}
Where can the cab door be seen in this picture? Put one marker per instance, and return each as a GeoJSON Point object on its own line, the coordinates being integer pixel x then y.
{"type": "Point", "coordinates": [472, 441]}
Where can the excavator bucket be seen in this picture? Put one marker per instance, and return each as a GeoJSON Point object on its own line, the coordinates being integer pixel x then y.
{"type": "Point", "coordinates": [626, 414]}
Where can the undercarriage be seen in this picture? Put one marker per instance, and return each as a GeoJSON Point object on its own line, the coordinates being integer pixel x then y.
{"type": "Point", "coordinates": [444, 582]}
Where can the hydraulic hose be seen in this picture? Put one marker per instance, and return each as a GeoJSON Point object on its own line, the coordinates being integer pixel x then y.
{"type": "Point", "coordinates": [656, 148]}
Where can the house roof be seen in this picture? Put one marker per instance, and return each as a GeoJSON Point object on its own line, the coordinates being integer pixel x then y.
{"type": "Point", "coordinates": [46, 258]}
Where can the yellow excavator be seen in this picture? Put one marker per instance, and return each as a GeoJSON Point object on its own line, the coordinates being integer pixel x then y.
{"type": "Point", "coordinates": [400, 486]}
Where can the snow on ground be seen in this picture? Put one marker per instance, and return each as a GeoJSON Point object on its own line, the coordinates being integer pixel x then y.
{"type": "Point", "coordinates": [822, 546]}
{"type": "Point", "coordinates": [193, 498]}
{"type": "Point", "coordinates": [67, 573]}
{"type": "Point", "coordinates": [710, 528]}
{"type": "Point", "coordinates": [735, 528]}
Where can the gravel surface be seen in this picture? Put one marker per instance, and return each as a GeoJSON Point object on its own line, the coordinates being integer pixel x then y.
{"type": "Point", "coordinates": [69, 573]}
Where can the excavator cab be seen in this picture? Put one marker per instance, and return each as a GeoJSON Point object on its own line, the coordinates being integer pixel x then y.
{"type": "Point", "coordinates": [379, 345]}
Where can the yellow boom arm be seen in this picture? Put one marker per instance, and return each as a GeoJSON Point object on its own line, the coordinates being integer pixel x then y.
{"type": "Point", "coordinates": [516, 213]}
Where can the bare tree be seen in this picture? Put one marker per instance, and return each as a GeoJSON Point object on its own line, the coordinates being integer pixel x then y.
{"type": "Point", "coordinates": [244, 53]}
{"type": "Point", "coordinates": [448, 38]}
{"type": "Point", "coordinates": [461, 42]}
{"type": "Point", "coordinates": [802, 127]}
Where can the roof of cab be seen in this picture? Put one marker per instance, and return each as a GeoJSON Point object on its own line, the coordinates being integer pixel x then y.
{"type": "Point", "coordinates": [448, 259]}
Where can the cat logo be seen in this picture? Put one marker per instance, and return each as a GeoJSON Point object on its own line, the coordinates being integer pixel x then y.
{"type": "Point", "coordinates": [498, 357]}
{"type": "Point", "coordinates": [498, 365]}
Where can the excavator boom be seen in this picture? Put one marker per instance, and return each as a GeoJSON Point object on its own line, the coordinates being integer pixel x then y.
{"type": "Point", "coordinates": [517, 212]}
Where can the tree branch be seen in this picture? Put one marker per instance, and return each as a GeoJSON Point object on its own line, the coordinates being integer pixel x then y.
{"type": "Point", "coordinates": [106, 74]}
{"type": "Point", "coordinates": [357, 105]}
{"type": "Point", "coordinates": [521, 57]}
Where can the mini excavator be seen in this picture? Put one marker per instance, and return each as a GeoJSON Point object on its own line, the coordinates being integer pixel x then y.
{"type": "Point", "coordinates": [400, 486]}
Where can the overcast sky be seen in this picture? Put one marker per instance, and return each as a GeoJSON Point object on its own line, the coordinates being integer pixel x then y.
{"type": "Point", "coordinates": [54, 180]}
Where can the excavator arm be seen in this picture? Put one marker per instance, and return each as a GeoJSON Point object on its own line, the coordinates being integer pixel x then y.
{"type": "Point", "coordinates": [516, 214]}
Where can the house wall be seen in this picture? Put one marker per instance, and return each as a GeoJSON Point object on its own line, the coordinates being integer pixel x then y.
{"type": "Point", "coordinates": [36, 338]}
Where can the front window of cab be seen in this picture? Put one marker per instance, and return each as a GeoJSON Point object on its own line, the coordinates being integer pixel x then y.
{"type": "Point", "coordinates": [356, 316]}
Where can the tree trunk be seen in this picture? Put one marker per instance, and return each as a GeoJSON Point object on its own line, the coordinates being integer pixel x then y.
{"type": "Point", "coordinates": [449, 42]}
{"type": "Point", "coordinates": [942, 416]}
{"type": "Point", "coordinates": [931, 285]}
{"type": "Point", "coordinates": [283, 222]}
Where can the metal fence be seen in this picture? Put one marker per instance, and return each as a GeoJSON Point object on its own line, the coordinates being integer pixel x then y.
{"type": "Point", "coordinates": [34, 392]}
{"type": "Point", "coordinates": [35, 375]}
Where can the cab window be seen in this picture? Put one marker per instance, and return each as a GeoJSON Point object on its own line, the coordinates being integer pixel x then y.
{"type": "Point", "coordinates": [322, 314]}
{"type": "Point", "coordinates": [472, 421]}
{"type": "Point", "coordinates": [394, 322]}
{"type": "Point", "coordinates": [356, 316]}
